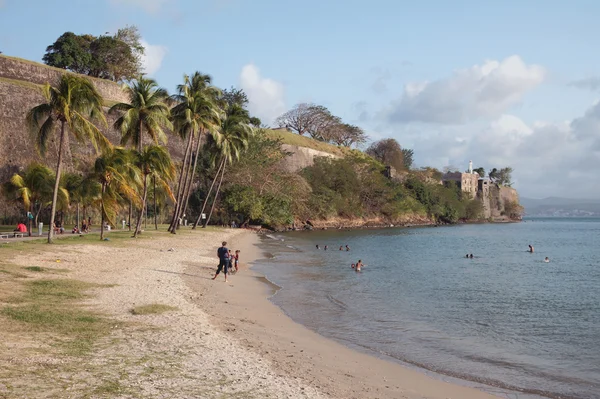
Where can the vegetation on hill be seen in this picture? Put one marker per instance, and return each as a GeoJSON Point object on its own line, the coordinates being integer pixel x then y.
{"type": "Point", "coordinates": [232, 170]}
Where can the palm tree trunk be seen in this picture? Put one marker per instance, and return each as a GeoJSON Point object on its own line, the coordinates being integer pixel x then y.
{"type": "Point", "coordinates": [212, 208]}
{"type": "Point", "coordinates": [56, 182]}
{"type": "Point", "coordinates": [189, 175]}
{"type": "Point", "coordinates": [129, 215]}
{"type": "Point", "coordinates": [180, 183]}
{"type": "Point", "coordinates": [78, 219]}
{"type": "Point", "coordinates": [30, 219]}
{"type": "Point", "coordinates": [102, 212]}
{"type": "Point", "coordinates": [189, 190]}
{"type": "Point", "coordinates": [208, 195]}
{"type": "Point", "coordinates": [154, 200]}
{"type": "Point", "coordinates": [138, 227]}
{"type": "Point", "coordinates": [184, 189]}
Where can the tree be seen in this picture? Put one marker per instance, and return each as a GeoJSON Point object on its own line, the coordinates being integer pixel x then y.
{"type": "Point", "coordinates": [153, 161]}
{"type": "Point", "coordinates": [33, 187]}
{"type": "Point", "coordinates": [112, 172]}
{"type": "Point", "coordinates": [321, 120]}
{"type": "Point", "coordinates": [480, 171]}
{"type": "Point", "coordinates": [197, 112]}
{"type": "Point", "coordinates": [116, 57]}
{"type": "Point", "coordinates": [504, 176]}
{"type": "Point", "coordinates": [234, 133]}
{"type": "Point", "coordinates": [146, 114]}
{"type": "Point", "coordinates": [344, 134]}
{"type": "Point", "coordinates": [71, 52]}
{"type": "Point", "coordinates": [235, 96]}
{"type": "Point", "coordinates": [407, 158]}
{"type": "Point", "coordinates": [388, 152]}
{"type": "Point", "coordinates": [297, 119]}
{"type": "Point", "coordinates": [73, 104]}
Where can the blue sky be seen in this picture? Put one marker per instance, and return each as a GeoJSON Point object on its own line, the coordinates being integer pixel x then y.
{"type": "Point", "coordinates": [499, 82]}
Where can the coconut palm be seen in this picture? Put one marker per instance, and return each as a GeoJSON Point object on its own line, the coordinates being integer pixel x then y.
{"type": "Point", "coordinates": [73, 104]}
{"type": "Point", "coordinates": [33, 187]}
{"type": "Point", "coordinates": [112, 172]}
{"type": "Point", "coordinates": [155, 161]}
{"type": "Point", "coordinates": [196, 113]}
{"type": "Point", "coordinates": [146, 114]}
{"type": "Point", "coordinates": [228, 145]}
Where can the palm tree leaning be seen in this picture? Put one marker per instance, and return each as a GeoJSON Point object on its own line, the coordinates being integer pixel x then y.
{"type": "Point", "coordinates": [33, 187]}
{"type": "Point", "coordinates": [73, 104]}
{"type": "Point", "coordinates": [197, 112]}
{"type": "Point", "coordinates": [155, 161]}
{"type": "Point", "coordinates": [232, 140]}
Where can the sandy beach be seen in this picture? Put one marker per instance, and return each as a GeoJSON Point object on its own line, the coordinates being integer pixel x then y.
{"type": "Point", "coordinates": [221, 340]}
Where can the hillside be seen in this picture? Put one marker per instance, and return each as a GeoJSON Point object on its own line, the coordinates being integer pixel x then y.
{"type": "Point", "coordinates": [294, 139]}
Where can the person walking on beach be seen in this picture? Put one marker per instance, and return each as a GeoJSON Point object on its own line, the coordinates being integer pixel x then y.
{"type": "Point", "coordinates": [223, 254]}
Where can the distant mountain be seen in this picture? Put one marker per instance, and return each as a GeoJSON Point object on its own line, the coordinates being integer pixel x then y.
{"type": "Point", "coordinates": [561, 207]}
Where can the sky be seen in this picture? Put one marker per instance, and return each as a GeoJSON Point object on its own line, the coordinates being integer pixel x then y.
{"type": "Point", "coordinates": [501, 83]}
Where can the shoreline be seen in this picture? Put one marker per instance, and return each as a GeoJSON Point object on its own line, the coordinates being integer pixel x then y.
{"type": "Point", "coordinates": [337, 370]}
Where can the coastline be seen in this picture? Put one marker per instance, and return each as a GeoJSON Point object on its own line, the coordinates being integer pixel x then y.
{"type": "Point", "coordinates": [243, 310]}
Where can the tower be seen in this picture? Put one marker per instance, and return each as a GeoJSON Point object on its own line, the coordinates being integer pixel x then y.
{"type": "Point", "coordinates": [471, 167]}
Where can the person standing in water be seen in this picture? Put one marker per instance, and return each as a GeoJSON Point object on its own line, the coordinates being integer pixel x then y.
{"type": "Point", "coordinates": [547, 260]}
{"type": "Point", "coordinates": [530, 248]}
{"type": "Point", "coordinates": [359, 265]}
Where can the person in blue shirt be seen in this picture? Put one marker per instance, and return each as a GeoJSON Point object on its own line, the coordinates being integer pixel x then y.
{"type": "Point", "coordinates": [223, 254]}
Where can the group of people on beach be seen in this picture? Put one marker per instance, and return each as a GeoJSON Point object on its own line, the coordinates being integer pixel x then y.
{"type": "Point", "coordinates": [228, 261]}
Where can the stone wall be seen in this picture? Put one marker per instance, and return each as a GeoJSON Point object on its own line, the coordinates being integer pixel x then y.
{"type": "Point", "coordinates": [301, 157]}
{"type": "Point", "coordinates": [20, 83]}
{"type": "Point", "coordinates": [33, 72]}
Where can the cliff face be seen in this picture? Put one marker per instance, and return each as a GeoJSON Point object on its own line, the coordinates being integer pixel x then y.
{"type": "Point", "coordinates": [301, 157]}
{"type": "Point", "coordinates": [20, 90]}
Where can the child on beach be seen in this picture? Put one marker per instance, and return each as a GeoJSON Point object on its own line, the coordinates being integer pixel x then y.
{"type": "Point", "coordinates": [236, 259]}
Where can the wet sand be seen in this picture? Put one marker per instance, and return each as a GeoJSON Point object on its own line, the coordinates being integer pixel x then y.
{"type": "Point", "coordinates": [242, 310]}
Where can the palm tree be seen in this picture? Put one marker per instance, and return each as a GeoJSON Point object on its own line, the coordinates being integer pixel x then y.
{"type": "Point", "coordinates": [146, 112]}
{"type": "Point", "coordinates": [197, 112]}
{"type": "Point", "coordinates": [74, 103]}
{"type": "Point", "coordinates": [232, 140]}
{"type": "Point", "coordinates": [111, 174]}
{"type": "Point", "coordinates": [155, 161]}
{"type": "Point", "coordinates": [33, 187]}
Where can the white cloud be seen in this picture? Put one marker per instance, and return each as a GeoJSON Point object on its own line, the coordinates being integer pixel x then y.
{"type": "Point", "coordinates": [549, 159]}
{"type": "Point", "coordinates": [485, 90]}
{"type": "Point", "coordinates": [153, 57]}
{"type": "Point", "coordinates": [150, 6]}
{"type": "Point", "coordinates": [592, 83]}
{"type": "Point", "coordinates": [266, 96]}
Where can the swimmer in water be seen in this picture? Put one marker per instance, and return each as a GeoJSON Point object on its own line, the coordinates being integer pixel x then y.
{"type": "Point", "coordinates": [471, 256]}
{"type": "Point", "coordinates": [467, 256]}
{"type": "Point", "coordinates": [325, 248]}
{"type": "Point", "coordinates": [547, 260]}
{"type": "Point", "coordinates": [530, 248]}
{"type": "Point", "coordinates": [317, 246]}
{"type": "Point", "coordinates": [341, 248]}
{"type": "Point", "coordinates": [359, 265]}
{"type": "Point", "coordinates": [352, 266]}
{"type": "Point", "coordinates": [347, 248]}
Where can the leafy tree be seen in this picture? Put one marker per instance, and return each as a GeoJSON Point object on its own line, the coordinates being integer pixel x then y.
{"type": "Point", "coordinates": [146, 114]}
{"type": "Point", "coordinates": [298, 119]}
{"type": "Point", "coordinates": [197, 112]}
{"type": "Point", "coordinates": [33, 187]}
{"type": "Point", "coordinates": [480, 171]}
{"type": "Point", "coordinates": [71, 52]}
{"type": "Point", "coordinates": [407, 158]}
{"type": "Point", "coordinates": [474, 209]}
{"type": "Point", "coordinates": [155, 161]}
{"type": "Point", "coordinates": [74, 103]}
{"type": "Point", "coordinates": [235, 96]}
{"type": "Point", "coordinates": [388, 152]}
{"type": "Point", "coordinates": [344, 134]}
{"type": "Point", "coordinates": [505, 176]}
{"type": "Point", "coordinates": [116, 57]}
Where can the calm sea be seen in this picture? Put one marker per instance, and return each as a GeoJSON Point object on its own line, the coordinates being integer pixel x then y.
{"type": "Point", "coordinates": [505, 318]}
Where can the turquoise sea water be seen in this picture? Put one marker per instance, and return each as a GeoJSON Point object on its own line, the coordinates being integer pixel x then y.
{"type": "Point", "coordinates": [505, 318]}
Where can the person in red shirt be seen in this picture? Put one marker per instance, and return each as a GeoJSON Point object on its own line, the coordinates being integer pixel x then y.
{"type": "Point", "coordinates": [21, 228]}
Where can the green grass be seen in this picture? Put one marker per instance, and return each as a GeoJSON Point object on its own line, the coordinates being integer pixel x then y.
{"type": "Point", "coordinates": [155, 308]}
{"type": "Point", "coordinates": [50, 306]}
{"type": "Point", "coordinates": [302, 141]}
{"type": "Point", "coordinates": [35, 269]}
